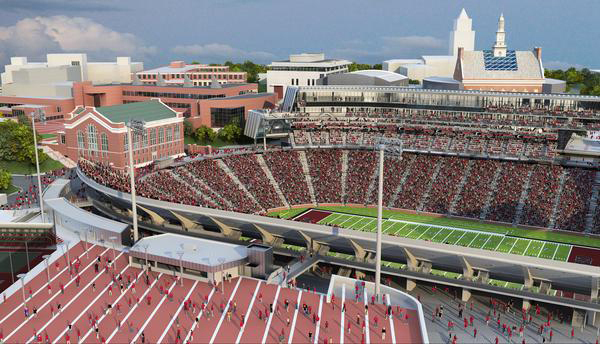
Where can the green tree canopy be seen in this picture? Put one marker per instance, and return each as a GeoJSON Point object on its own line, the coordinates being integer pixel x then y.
{"type": "Point", "coordinates": [205, 134]}
{"type": "Point", "coordinates": [16, 143]}
{"type": "Point", "coordinates": [5, 179]}
{"type": "Point", "coordinates": [230, 132]}
{"type": "Point", "coordinates": [584, 80]}
{"type": "Point", "coordinates": [188, 129]}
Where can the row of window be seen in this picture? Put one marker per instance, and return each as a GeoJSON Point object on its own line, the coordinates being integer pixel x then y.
{"type": "Point", "coordinates": [309, 82]}
{"type": "Point", "coordinates": [233, 76]}
{"type": "Point", "coordinates": [164, 134]}
{"type": "Point", "coordinates": [171, 95]}
{"type": "Point", "coordinates": [309, 69]}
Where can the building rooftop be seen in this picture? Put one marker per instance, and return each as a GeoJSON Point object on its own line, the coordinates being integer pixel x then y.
{"type": "Point", "coordinates": [149, 111]}
{"type": "Point", "coordinates": [517, 65]}
{"type": "Point", "coordinates": [381, 74]}
{"type": "Point", "coordinates": [195, 250]}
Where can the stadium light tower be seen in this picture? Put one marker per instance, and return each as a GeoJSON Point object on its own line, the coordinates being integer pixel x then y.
{"type": "Point", "coordinates": [42, 117]}
{"type": "Point", "coordinates": [392, 146]}
{"type": "Point", "coordinates": [137, 127]}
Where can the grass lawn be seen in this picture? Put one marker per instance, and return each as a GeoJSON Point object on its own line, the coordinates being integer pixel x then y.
{"type": "Point", "coordinates": [480, 240]}
{"type": "Point", "coordinates": [534, 249]}
{"type": "Point", "coordinates": [216, 143]}
{"type": "Point", "coordinates": [22, 167]}
{"type": "Point", "coordinates": [287, 213]}
{"type": "Point", "coordinates": [48, 136]}
{"type": "Point", "coordinates": [11, 189]}
{"type": "Point", "coordinates": [562, 253]}
{"type": "Point", "coordinates": [474, 225]}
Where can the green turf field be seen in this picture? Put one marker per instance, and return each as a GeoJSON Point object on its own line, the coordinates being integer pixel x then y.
{"type": "Point", "coordinates": [493, 240]}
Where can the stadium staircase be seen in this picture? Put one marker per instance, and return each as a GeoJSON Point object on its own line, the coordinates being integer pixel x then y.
{"type": "Point", "coordinates": [374, 183]}
{"type": "Point", "coordinates": [344, 137]}
{"type": "Point", "coordinates": [265, 168]}
{"type": "Point", "coordinates": [436, 172]}
{"type": "Point", "coordinates": [556, 203]}
{"type": "Point", "coordinates": [325, 137]}
{"type": "Point", "coordinates": [199, 193]}
{"type": "Point", "coordinates": [292, 139]}
{"type": "Point", "coordinates": [592, 205]}
{"type": "Point", "coordinates": [205, 186]}
{"type": "Point", "coordinates": [460, 188]}
{"type": "Point", "coordinates": [306, 170]}
{"type": "Point", "coordinates": [392, 201]}
{"type": "Point", "coordinates": [309, 138]}
{"type": "Point", "coordinates": [235, 179]}
{"type": "Point", "coordinates": [344, 174]}
{"type": "Point", "coordinates": [523, 198]}
{"type": "Point", "coordinates": [486, 206]}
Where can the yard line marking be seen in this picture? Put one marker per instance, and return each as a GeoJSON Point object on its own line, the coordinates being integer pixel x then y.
{"type": "Point", "coordinates": [342, 320]}
{"type": "Point", "coordinates": [447, 236]}
{"type": "Point", "coordinates": [423, 233]}
{"type": "Point", "coordinates": [331, 217]}
{"type": "Point", "coordinates": [525, 252]}
{"type": "Point", "coordinates": [367, 335]}
{"type": "Point", "coordinates": [485, 243]}
{"type": "Point", "coordinates": [212, 339]}
{"type": "Point", "coordinates": [513, 246]}
{"type": "Point", "coordinates": [469, 245]}
{"type": "Point", "coordinates": [292, 329]}
{"type": "Point", "coordinates": [54, 295]}
{"type": "Point", "coordinates": [542, 248]}
{"type": "Point", "coordinates": [264, 339]}
{"type": "Point", "coordinates": [499, 242]}
{"type": "Point", "coordinates": [176, 313]}
{"type": "Point", "coordinates": [58, 338]}
{"type": "Point", "coordinates": [199, 316]}
{"type": "Point", "coordinates": [319, 321]}
{"type": "Point", "coordinates": [162, 300]}
{"type": "Point", "coordinates": [456, 242]}
{"type": "Point", "coordinates": [130, 311]}
{"type": "Point", "coordinates": [350, 217]}
{"type": "Point", "coordinates": [237, 341]}
{"type": "Point", "coordinates": [392, 330]}
{"type": "Point", "coordinates": [361, 228]}
{"type": "Point", "coordinates": [408, 234]}
{"type": "Point", "coordinates": [44, 287]}
{"type": "Point", "coordinates": [396, 232]}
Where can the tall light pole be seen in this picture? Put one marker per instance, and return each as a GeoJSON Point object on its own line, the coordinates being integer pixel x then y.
{"type": "Point", "coordinates": [145, 246]}
{"type": "Point", "coordinates": [12, 273]}
{"type": "Point", "coordinates": [47, 258]}
{"type": "Point", "coordinates": [42, 117]}
{"type": "Point", "coordinates": [27, 254]}
{"type": "Point", "coordinates": [392, 146]}
{"type": "Point", "coordinates": [222, 261]}
{"type": "Point", "coordinates": [22, 277]}
{"type": "Point", "coordinates": [180, 253]}
{"type": "Point", "coordinates": [113, 239]}
{"type": "Point", "coordinates": [66, 246]}
{"type": "Point", "coordinates": [137, 127]}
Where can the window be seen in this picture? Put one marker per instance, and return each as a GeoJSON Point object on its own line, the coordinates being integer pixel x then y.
{"type": "Point", "coordinates": [145, 138]}
{"type": "Point", "coordinates": [177, 133]}
{"type": "Point", "coordinates": [74, 63]}
{"type": "Point", "coordinates": [58, 109]}
{"type": "Point", "coordinates": [80, 141]}
{"type": "Point", "coordinates": [223, 116]}
{"type": "Point", "coordinates": [169, 134]}
{"type": "Point", "coordinates": [62, 139]}
{"type": "Point", "coordinates": [161, 135]}
{"type": "Point", "coordinates": [92, 138]}
{"type": "Point", "coordinates": [104, 142]}
{"type": "Point", "coordinates": [126, 142]}
{"type": "Point", "coordinates": [152, 137]}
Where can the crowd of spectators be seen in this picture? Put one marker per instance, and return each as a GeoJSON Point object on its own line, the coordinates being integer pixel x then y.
{"type": "Point", "coordinates": [105, 175]}
{"type": "Point", "coordinates": [287, 170]}
{"type": "Point", "coordinates": [446, 185]}
{"type": "Point", "coordinates": [163, 186]}
{"type": "Point", "coordinates": [361, 167]}
{"type": "Point", "coordinates": [326, 174]}
{"type": "Point", "coordinates": [477, 187]}
{"type": "Point", "coordinates": [421, 173]}
{"type": "Point", "coordinates": [249, 172]}
{"type": "Point", "coordinates": [574, 199]}
{"type": "Point", "coordinates": [183, 173]}
{"type": "Point", "coordinates": [508, 192]}
{"type": "Point", "coordinates": [541, 196]}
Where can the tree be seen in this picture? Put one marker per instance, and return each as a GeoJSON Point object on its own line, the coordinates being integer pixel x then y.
{"type": "Point", "coordinates": [188, 129]}
{"type": "Point", "coordinates": [205, 134]}
{"type": "Point", "coordinates": [16, 143]}
{"type": "Point", "coordinates": [230, 132]}
{"type": "Point", "coordinates": [5, 179]}
{"type": "Point", "coordinates": [195, 62]}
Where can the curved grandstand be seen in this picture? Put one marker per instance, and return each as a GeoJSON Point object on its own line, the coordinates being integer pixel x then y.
{"type": "Point", "coordinates": [528, 193]}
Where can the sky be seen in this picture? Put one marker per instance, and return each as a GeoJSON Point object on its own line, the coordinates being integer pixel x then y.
{"type": "Point", "coordinates": [365, 31]}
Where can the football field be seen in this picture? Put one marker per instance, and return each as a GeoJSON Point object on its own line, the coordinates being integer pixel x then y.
{"type": "Point", "coordinates": [453, 236]}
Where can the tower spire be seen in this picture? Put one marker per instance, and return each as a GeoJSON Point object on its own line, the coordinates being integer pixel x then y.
{"type": "Point", "coordinates": [499, 48]}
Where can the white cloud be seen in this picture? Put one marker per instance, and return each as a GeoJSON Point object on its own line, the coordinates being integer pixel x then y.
{"type": "Point", "coordinates": [394, 47]}
{"type": "Point", "coordinates": [35, 37]}
{"type": "Point", "coordinates": [221, 51]}
{"type": "Point", "coordinates": [561, 65]}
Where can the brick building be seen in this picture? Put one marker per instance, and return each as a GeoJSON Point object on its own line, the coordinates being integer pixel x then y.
{"type": "Point", "coordinates": [179, 73]}
{"type": "Point", "coordinates": [100, 133]}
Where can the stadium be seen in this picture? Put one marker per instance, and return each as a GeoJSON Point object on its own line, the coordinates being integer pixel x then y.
{"type": "Point", "coordinates": [491, 194]}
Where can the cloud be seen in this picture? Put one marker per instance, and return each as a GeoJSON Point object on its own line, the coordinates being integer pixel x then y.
{"type": "Point", "coordinates": [42, 6]}
{"type": "Point", "coordinates": [219, 50]}
{"type": "Point", "coordinates": [393, 47]}
{"type": "Point", "coordinates": [562, 65]}
{"type": "Point", "coordinates": [35, 37]}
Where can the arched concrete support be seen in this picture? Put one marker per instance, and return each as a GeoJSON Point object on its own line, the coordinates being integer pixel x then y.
{"type": "Point", "coordinates": [528, 280]}
{"type": "Point", "coordinates": [411, 261]}
{"type": "Point", "coordinates": [410, 284]}
{"type": "Point", "coordinates": [467, 269]}
{"type": "Point", "coordinates": [466, 295]}
{"type": "Point", "coordinates": [186, 223]}
{"type": "Point", "coordinates": [311, 244]}
{"type": "Point", "coordinates": [226, 230]}
{"type": "Point", "coordinates": [267, 237]}
{"type": "Point", "coordinates": [359, 252]}
{"type": "Point", "coordinates": [156, 219]}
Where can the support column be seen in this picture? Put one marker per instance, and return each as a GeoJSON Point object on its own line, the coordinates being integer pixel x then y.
{"type": "Point", "coordinates": [187, 224]}
{"type": "Point", "coordinates": [528, 278]}
{"type": "Point", "coordinates": [359, 252]}
{"type": "Point", "coordinates": [267, 237]}
{"type": "Point", "coordinates": [411, 261]}
{"type": "Point", "coordinates": [410, 284]}
{"type": "Point", "coordinates": [466, 295]}
{"type": "Point", "coordinates": [595, 288]}
{"type": "Point", "coordinates": [311, 244]}
{"type": "Point", "coordinates": [156, 219]}
{"type": "Point", "coordinates": [226, 230]}
{"type": "Point", "coordinates": [467, 269]}
{"type": "Point", "coordinates": [593, 318]}
{"type": "Point", "coordinates": [526, 305]}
